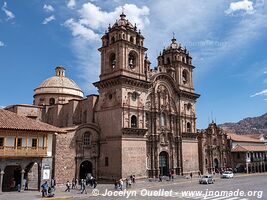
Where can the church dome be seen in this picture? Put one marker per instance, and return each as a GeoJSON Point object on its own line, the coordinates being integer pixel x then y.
{"type": "Point", "coordinates": [59, 85]}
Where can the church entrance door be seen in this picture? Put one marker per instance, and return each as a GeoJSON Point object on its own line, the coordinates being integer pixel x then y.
{"type": "Point", "coordinates": [164, 163]}
{"type": "Point", "coordinates": [86, 169]}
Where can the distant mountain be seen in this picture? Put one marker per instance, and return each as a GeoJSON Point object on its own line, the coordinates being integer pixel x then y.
{"type": "Point", "coordinates": [250, 125]}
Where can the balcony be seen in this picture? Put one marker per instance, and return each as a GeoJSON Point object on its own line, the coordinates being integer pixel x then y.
{"type": "Point", "coordinates": [11, 151]}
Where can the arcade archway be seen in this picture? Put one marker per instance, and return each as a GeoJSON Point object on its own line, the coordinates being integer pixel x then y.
{"type": "Point", "coordinates": [12, 178]}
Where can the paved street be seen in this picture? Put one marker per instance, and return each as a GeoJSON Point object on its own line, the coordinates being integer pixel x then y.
{"type": "Point", "coordinates": [248, 184]}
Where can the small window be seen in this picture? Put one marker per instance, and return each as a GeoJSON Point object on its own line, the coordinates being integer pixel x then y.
{"type": "Point", "coordinates": [19, 142]}
{"type": "Point", "coordinates": [189, 106]}
{"type": "Point", "coordinates": [188, 127]}
{"type": "Point", "coordinates": [1, 142]}
{"type": "Point", "coordinates": [106, 161]}
{"type": "Point", "coordinates": [34, 143]}
{"type": "Point", "coordinates": [112, 60]}
{"type": "Point", "coordinates": [185, 76]}
{"type": "Point", "coordinates": [52, 101]}
{"type": "Point", "coordinates": [131, 39]}
{"type": "Point", "coordinates": [206, 161]}
{"type": "Point", "coordinates": [132, 60]}
{"type": "Point", "coordinates": [133, 121]}
{"type": "Point", "coordinates": [87, 139]}
{"type": "Point", "coordinates": [113, 39]}
{"type": "Point", "coordinates": [168, 61]}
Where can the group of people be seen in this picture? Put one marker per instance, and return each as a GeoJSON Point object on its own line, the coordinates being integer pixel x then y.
{"type": "Point", "coordinates": [89, 180]}
{"type": "Point", "coordinates": [48, 191]}
{"type": "Point", "coordinates": [128, 182]}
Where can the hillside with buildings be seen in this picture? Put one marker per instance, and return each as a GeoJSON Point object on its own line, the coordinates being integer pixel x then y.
{"type": "Point", "coordinates": [250, 125]}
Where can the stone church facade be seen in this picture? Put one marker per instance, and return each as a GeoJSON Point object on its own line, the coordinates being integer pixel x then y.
{"type": "Point", "coordinates": [143, 121]}
{"type": "Point", "coordinates": [214, 150]}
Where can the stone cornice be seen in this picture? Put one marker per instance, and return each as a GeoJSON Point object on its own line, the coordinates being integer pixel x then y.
{"type": "Point", "coordinates": [135, 132]}
{"type": "Point", "coordinates": [119, 80]}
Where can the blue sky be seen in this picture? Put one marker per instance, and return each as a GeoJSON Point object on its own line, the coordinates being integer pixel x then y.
{"type": "Point", "coordinates": [226, 38]}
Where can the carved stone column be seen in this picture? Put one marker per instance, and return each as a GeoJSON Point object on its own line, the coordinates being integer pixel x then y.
{"type": "Point", "coordinates": [1, 180]}
{"type": "Point", "coordinates": [22, 180]}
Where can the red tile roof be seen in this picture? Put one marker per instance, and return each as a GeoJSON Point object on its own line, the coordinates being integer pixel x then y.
{"type": "Point", "coordinates": [10, 120]}
{"type": "Point", "coordinates": [242, 138]}
{"type": "Point", "coordinates": [246, 148]}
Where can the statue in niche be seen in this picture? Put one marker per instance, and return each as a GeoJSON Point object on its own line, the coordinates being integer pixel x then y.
{"type": "Point", "coordinates": [163, 138]}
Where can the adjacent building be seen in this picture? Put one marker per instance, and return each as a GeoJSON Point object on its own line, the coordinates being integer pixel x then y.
{"type": "Point", "coordinates": [26, 147]}
{"type": "Point", "coordinates": [214, 150]}
{"type": "Point", "coordinates": [249, 153]}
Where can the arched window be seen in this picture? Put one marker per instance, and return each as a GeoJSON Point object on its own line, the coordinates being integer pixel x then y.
{"type": "Point", "coordinates": [131, 39]}
{"type": "Point", "coordinates": [87, 139]}
{"type": "Point", "coordinates": [112, 60]}
{"type": "Point", "coordinates": [132, 60]}
{"type": "Point", "coordinates": [133, 121]}
{"type": "Point", "coordinates": [113, 39]}
{"type": "Point", "coordinates": [168, 61]}
{"type": "Point", "coordinates": [52, 101]}
{"type": "Point", "coordinates": [185, 76]}
{"type": "Point", "coordinates": [189, 106]}
{"type": "Point", "coordinates": [188, 127]}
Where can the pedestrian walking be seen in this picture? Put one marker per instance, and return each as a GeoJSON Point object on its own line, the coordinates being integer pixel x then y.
{"type": "Point", "coordinates": [170, 175]}
{"type": "Point", "coordinates": [68, 186]}
{"type": "Point", "coordinates": [53, 184]}
{"type": "Point", "coordinates": [191, 175]}
{"type": "Point", "coordinates": [94, 183]}
{"type": "Point", "coordinates": [133, 179]}
{"type": "Point", "coordinates": [160, 178]}
{"type": "Point", "coordinates": [76, 183]}
{"type": "Point", "coordinates": [115, 184]}
{"type": "Point", "coordinates": [83, 185]}
{"type": "Point", "coordinates": [121, 184]}
{"type": "Point", "coordinates": [73, 184]}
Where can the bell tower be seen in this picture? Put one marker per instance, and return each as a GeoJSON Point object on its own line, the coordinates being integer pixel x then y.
{"type": "Point", "coordinates": [122, 51]}
{"type": "Point", "coordinates": [122, 91]}
{"type": "Point", "coordinates": [177, 62]}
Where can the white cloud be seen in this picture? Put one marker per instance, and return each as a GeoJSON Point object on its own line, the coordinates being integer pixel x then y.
{"type": "Point", "coordinates": [8, 13]}
{"type": "Point", "coordinates": [48, 19]}
{"type": "Point", "coordinates": [48, 8]}
{"type": "Point", "coordinates": [2, 44]}
{"type": "Point", "coordinates": [93, 17]}
{"type": "Point", "coordinates": [71, 4]}
{"type": "Point", "coordinates": [94, 21]}
{"type": "Point", "coordinates": [245, 6]}
{"type": "Point", "coordinates": [262, 93]}
{"type": "Point", "coordinates": [79, 30]}
{"type": "Point", "coordinates": [87, 29]}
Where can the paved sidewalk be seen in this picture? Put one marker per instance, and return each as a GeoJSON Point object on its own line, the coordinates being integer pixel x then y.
{"type": "Point", "coordinates": [140, 184]}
